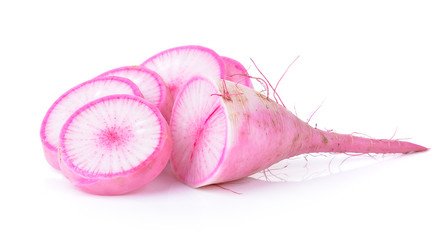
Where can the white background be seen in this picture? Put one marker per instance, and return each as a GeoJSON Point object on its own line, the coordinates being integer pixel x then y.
{"type": "Point", "coordinates": [375, 66]}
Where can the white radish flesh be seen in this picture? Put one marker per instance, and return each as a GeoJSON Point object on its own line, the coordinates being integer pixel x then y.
{"type": "Point", "coordinates": [72, 100]}
{"type": "Point", "coordinates": [178, 65]}
{"type": "Point", "coordinates": [114, 145]}
{"type": "Point", "coordinates": [151, 85]}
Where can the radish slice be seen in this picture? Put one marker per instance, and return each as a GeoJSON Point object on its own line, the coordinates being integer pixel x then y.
{"type": "Point", "coordinates": [114, 145]}
{"type": "Point", "coordinates": [178, 65]}
{"type": "Point", "coordinates": [236, 72]}
{"type": "Point", "coordinates": [151, 85]}
{"type": "Point", "coordinates": [72, 100]}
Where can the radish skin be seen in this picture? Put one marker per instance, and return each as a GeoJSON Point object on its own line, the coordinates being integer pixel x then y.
{"type": "Point", "coordinates": [223, 132]}
{"type": "Point", "coordinates": [73, 99]}
{"type": "Point", "coordinates": [114, 145]}
{"type": "Point", "coordinates": [150, 84]}
{"type": "Point", "coordinates": [236, 72]}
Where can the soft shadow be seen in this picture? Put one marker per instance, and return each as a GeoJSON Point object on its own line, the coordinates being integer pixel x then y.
{"type": "Point", "coordinates": [289, 171]}
{"type": "Point", "coordinates": [164, 182]}
{"type": "Point", "coordinates": [300, 170]}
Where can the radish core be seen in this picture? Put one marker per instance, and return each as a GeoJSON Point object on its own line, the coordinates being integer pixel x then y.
{"type": "Point", "coordinates": [115, 137]}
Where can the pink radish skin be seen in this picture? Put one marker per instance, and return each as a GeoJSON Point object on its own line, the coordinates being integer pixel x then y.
{"type": "Point", "coordinates": [150, 84]}
{"type": "Point", "coordinates": [223, 132]}
{"type": "Point", "coordinates": [114, 145]}
{"type": "Point", "coordinates": [73, 99]}
{"type": "Point", "coordinates": [236, 72]}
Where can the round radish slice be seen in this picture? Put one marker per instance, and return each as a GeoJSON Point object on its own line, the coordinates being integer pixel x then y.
{"type": "Point", "coordinates": [236, 72]}
{"type": "Point", "coordinates": [72, 100]}
{"type": "Point", "coordinates": [114, 145]}
{"type": "Point", "coordinates": [151, 85]}
{"type": "Point", "coordinates": [178, 65]}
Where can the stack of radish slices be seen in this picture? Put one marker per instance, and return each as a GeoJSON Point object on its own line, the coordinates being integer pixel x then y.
{"type": "Point", "coordinates": [110, 135]}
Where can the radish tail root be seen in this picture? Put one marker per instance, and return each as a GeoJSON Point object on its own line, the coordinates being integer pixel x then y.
{"type": "Point", "coordinates": [324, 141]}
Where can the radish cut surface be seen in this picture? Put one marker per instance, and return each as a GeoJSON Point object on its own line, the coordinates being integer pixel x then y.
{"type": "Point", "coordinates": [72, 100]}
{"type": "Point", "coordinates": [200, 132]}
{"type": "Point", "coordinates": [149, 83]}
{"type": "Point", "coordinates": [178, 65]}
{"type": "Point", "coordinates": [114, 145]}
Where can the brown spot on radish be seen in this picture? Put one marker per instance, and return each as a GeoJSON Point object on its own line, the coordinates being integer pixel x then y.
{"type": "Point", "coordinates": [264, 99]}
{"type": "Point", "coordinates": [261, 96]}
{"type": "Point", "coordinates": [240, 97]}
{"type": "Point", "coordinates": [324, 139]}
{"type": "Point", "coordinates": [295, 139]}
{"type": "Point", "coordinates": [259, 124]}
{"type": "Point", "coordinates": [233, 117]}
{"type": "Point", "coordinates": [273, 122]}
{"type": "Point", "coordinates": [247, 116]}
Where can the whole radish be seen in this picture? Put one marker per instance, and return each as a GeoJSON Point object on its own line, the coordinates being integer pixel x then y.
{"type": "Point", "coordinates": [223, 132]}
{"type": "Point", "coordinates": [73, 99]}
{"type": "Point", "coordinates": [114, 145]}
{"type": "Point", "coordinates": [150, 84]}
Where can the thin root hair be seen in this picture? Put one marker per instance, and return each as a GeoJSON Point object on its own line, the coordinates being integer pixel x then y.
{"type": "Point", "coordinates": [394, 133]}
{"type": "Point", "coordinates": [226, 95]}
{"type": "Point", "coordinates": [360, 135]}
{"type": "Point", "coordinates": [228, 189]}
{"type": "Point", "coordinates": [329, 165]}
{"type": "Point", "coordinates": [263, 83]}
{"type": "Point", "coordinates": [267, 172]}
{"type": "Point", "coordinates": [276, 175]}
{"type": "Point", "coordinates": [317, 109]}
{"type": "Point", "coordinates": [316, 154]}
{"type": "Point", "coordinates": [269, 83]}
{"type": "Point", "coordinates": [286, 70]}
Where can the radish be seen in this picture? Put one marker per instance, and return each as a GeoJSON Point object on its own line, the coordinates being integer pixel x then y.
{"type": "Point", "coordinates": [178, 65]}
{"type": "Point", "coordinates": [151, 85]}
{"type": "Point", "coordinates": [73, 99]}
{"type": "Point", "coordinates": [223, 132]}
{"type": "Point", "coordinates": [114, 145]}
{"type": "Point", "coordinates": [236, 72]}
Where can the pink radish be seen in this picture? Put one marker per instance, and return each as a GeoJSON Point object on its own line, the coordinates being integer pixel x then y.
{"type": "Point", "coordinates": [73, 99]}
{"type": "Point", "coordinates": [224, 132]}
{"type": "Point", "coordinates": [178, 65]}
{"type": "Point", "coordinates": [114, 145]}
{"type": "Point", "coordinates": [151, 85]}
{"type": "Point", "coordinates": [236, 72]}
